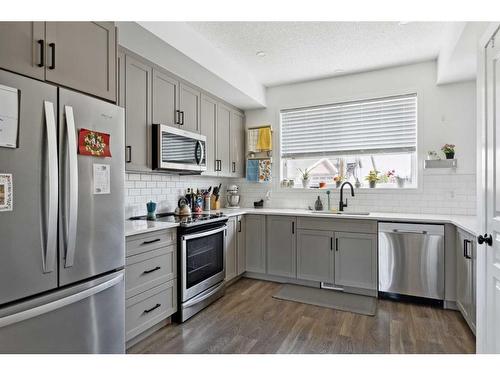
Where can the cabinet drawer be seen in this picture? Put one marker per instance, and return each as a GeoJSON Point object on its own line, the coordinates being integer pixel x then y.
{"type": "Point", "coordinates": [147, 270]}
{"type": "Point", "coordinates": [141, 243]}
{"type": "Point", "coordinates": [149, 308]}
{"type": "Point", "coordinates": [340, 225]}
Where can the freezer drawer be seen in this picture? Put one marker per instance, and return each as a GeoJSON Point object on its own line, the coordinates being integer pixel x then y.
{"type": "Point", "coordinates": [411, 260]}
{"type": "Point", "coordinates": [86, 318]}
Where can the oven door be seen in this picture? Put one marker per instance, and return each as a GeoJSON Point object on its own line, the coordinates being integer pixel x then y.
{"type": "Point", "coordinates": [179, 150]}
{"type": "Point", "coordinates": [203, 262]}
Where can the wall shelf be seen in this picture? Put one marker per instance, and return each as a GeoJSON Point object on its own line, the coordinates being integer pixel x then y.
{"type": "Point", "coordinates": [445, 163]}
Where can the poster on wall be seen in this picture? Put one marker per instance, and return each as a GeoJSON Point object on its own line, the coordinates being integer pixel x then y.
{"type": "Point", "coordinates": [93, 143]}
{"type": "Point", "coordinates": [6, 193]}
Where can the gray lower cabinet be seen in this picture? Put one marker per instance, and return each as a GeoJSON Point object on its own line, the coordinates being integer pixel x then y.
{"type": "Point", "coordinates": [255, 243]}
{"type": "Point", "coordinates": [22, 48]}
{"type": "Point", "coordinates": [82, 56]}
{"type": "Point", "coordinates": [231, 249]}
{"type": "Point", "coordinates": [241, 243]}
{"type": "Point", "coordinates": [356, 260]}
{"type": "Point", "coordinates": [208, 125]}
{"type": "Point", "coordinates": [137, 114]}
{"type": "Point", "coordinates": [466, 275]}
{"type": "Point", "coordinates": [165, 102]}
{"type": "Point", "coordinates": [237, 144]}
{"type": "Point", "coordinates": [189, 106]}
{"type": "Point", "coordinates": [315, 258]}
{"type": "Point", "coordinates": [223, 148]}
{"type": "Point", "coordinates": [281, 246]}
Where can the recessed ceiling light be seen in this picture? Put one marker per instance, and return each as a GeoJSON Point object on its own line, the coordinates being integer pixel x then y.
{"type": "Point", "coordinates": [261, 53]}
{"type": "Point", "coordinates": [402, 23]}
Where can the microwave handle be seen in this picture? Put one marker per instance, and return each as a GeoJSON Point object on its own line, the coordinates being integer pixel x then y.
{"type": "Point", "coordinates": [199, 146]}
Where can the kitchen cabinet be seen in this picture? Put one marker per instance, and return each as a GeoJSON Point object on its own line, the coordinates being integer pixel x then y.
{"type": "Point", "coordinates": [241, 245]}
{"type": "Point", "coordinates": [78, 55]}
{"type": "Point", "coordinates": [165, 99]}
{"type": "Point", "coordinates": [356, 260]}
{"type": "Point", "coordinates": [208, 126]}
{"type": "Point", "coordinates": [466, 277]}
{"type": "Point", "coordinates": [255, 242]}
{"type": "Point", "coordinates": [231, 249]}
{"type": "Point", "coordinates": [137, 114]}
{"type": "Point", "coordinates": [237, 144]}
{"type": "Point", "coordinates": [189, 106]}
{"type": "Point", "coordinates": [281, 246]}
{"type": "Point", "coordinates": [22, 48]}
{"type": "Point", "coordinates": [223, 154]}
{"type": "Point", "coordinates": [120, 82]}
{"type": "Point", "coordinates": [315, 258]}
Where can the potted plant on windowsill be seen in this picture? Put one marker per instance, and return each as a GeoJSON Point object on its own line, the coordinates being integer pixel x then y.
{"type": "Point", "coordinates": [449, 151]}
{"type": "Point", "coordinates": [338, 180]}
{"type": "Point", "coordinates": [372, 178]}
{"type": "Point", "coordinates": [306, 176]}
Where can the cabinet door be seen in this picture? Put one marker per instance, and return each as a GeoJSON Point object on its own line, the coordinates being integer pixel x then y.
{"type": "Point", "coordinates": [22, 48]}
{"type": "Point", "coordinates": [255, 242]}
{"type": "Point", "coordinates": [281, 250]}
{"type": "Point", "coordinates": [237, 144]}
{"type": "Point", "coordinates": [231, 256]}
{"type": "Point", "coordinates": [315, 257]}
{"type": "Point", "coordinates": [165, 94]}
{"type": "Point", "coordinates": [208, 124]}
{"type": "Point", "coordinates": [241, 245]}
{"type": "Point", "coordinates": [473, 265]}
{"type": "Point", "coordinates": [137, 114]}
{"type": "Point", "coordinates": [356, 260]}
{"type": "Point", "coordinates": [464, 273]}
{"type": "Point", "coordinates": [189, 105]}
{"type": "Point", "coordinates": [82, 56]}
{"type": "Point", "coordinates": [223, 140]}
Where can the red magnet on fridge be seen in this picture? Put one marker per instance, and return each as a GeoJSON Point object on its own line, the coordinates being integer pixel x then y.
{"type": "Point", "coordinates": [93, 143]}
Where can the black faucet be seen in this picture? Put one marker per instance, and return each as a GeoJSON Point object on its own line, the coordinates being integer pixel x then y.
{"type": "Point", "coordinates": [341, 203]}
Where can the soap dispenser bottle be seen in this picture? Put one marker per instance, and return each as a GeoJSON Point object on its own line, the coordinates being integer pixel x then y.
{"type": "Point", "coordinates": [318, 205]}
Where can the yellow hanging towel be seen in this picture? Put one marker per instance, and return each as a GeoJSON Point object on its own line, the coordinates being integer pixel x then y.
{"type": "Point", "coordinates": [265, 141]}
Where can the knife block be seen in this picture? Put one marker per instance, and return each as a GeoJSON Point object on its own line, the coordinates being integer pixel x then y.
{"type": "Point", "coordinates": [214, 204]}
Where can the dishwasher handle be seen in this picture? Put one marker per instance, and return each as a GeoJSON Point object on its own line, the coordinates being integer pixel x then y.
{"type": "Point", "coordinates": [406, 231]}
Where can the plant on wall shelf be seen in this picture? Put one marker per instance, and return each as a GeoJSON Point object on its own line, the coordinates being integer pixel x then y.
{"type": "Point", "coordinates": [373, 177]}
{"type": "Point", "coordinates": [306, 175]}
{"type": "Point", "coordinates": [448, 150]}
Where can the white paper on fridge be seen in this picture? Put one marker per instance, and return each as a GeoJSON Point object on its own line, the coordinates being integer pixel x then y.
{"type": "Point", "coordinates": [6, 192]}
{"type": "Point", "coordinates": [9, 116]}
{"type": "Point", "coordinates": [102, 179]}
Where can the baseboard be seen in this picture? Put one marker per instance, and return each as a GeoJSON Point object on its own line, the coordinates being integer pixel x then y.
{"type": "Point", "coordinates": [450, 305]}
{"type": "Point", "coordinates": [141, 336]}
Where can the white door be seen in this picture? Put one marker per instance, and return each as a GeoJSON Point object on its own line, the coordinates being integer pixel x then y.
{"type": "Point", "coordinates": [492, 247]}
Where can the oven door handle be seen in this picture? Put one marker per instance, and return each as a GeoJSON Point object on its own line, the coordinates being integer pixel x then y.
{"type": "Point", "coordinates": [202, 296]}
{"type": "Point", "coordinates": [204, 234]}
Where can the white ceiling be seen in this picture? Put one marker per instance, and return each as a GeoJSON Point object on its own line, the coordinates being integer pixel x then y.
{"type": "Point", "coordinates": [299, 51]}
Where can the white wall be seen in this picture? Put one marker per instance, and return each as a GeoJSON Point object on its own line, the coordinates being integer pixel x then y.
{"type": "Point", "coordinates": [446, 114]}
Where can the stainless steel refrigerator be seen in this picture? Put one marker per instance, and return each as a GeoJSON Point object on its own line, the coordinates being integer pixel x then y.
{"type": "Point", "coordinates": [62, 245]}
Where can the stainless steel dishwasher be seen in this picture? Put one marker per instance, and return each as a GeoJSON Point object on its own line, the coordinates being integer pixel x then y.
{"type": "Point", "coordinates": [411, 261]}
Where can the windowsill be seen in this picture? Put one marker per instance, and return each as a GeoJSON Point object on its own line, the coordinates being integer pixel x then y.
{"type": "Point", "coordinates": [361, 190]}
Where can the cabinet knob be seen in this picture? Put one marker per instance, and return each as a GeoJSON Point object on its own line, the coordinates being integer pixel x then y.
{"type": "Point", "coordinates": [486, 238]}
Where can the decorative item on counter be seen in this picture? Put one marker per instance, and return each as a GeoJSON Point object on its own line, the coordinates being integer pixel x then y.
{"type": "Point", "coordinates": [284, 183]}
{"type": "Point", "coordinates": [151, 208]}
{"type": "Point", "coordinates": [183, 208]}
{"type": "Point", "coordinates": [264, 171]}
{"type": "Point", "coordinates": [390, 176]}
{"type": "Point", "coordinates": [357, 184]}
{"type": "Point", "coordinates": [318, 205]}
{"type": "Point", "coordinates": [400, 181]}
{"type": "Point", "coordinates": [432, 155]}
{"type": "Point", "coordinates": [259, 204]}
{"type": "Point", "coordinates": [291, 183]}
{"type": "Point", "coordinates": [253, 170]}
{"type": "Point", "coordinates": [449, 151]}
{"type": "Point", "coordinates": [306, 176]}
{"type": "Point", "coordinates": [93, 143]}
{"type": "Point", "coordinates": [372, 178]}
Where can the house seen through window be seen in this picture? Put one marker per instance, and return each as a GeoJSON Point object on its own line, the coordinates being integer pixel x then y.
{"type": "Point", "coordinates": [370, 143]}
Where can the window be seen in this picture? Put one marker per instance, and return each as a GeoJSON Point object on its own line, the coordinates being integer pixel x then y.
{"type": "Point", "coordinates": [347, 141]}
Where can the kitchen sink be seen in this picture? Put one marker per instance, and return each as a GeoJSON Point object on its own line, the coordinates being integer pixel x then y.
{"type": "Point", "coordinates": [341, 213]}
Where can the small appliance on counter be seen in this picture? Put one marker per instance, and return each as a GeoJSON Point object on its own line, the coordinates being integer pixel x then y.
{"type": "Point", "coordinates": [232, 197]}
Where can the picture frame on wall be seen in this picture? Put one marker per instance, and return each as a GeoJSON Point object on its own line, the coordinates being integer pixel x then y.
{"type": "Point", "coordinates": [6, 192]}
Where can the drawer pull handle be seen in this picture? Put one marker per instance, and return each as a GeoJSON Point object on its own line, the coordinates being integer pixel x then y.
{"type": "Point", "coordinates": [152, 269]}
{"type": "Point", "coordinates": [152, 308]}
{"type": "Point", "coordinates": [152, 241]}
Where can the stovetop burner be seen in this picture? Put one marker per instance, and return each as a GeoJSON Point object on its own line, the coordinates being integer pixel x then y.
{"type": "Point", "coordinates": [184, 221]}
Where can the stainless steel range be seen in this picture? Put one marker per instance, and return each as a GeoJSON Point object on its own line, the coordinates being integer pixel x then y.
{"type": "Point", "coordinates": [202, 267]}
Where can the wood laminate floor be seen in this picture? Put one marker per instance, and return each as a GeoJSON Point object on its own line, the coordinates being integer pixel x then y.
{"type": "Point", "coordinates": [248, 320]}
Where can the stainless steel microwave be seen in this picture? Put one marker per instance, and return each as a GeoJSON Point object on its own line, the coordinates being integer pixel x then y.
{"type": "Point", "coordinates": [178, 150]}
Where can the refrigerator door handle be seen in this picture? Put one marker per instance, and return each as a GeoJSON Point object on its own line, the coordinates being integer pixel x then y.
{"type": "Point", "coordinates": [60, 303]}
{"type": "Point", "coordinates": [73, 188]}
{"type": "Point", "coordinates": [51, 239]}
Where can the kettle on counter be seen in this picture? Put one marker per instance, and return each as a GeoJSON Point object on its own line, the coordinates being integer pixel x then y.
{"type": "Point", "coordinates": [183, 208]}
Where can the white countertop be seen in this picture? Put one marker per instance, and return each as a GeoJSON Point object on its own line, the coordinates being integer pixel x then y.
{"type": "Point", "coordinates": [467, 223]}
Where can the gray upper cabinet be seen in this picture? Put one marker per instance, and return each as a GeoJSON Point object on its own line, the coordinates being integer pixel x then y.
{"type": "Point", "coordinates": [255, 242]}
{"type": "Point", "coordinates": [120, 82]}
{"type": "Point", "coordinates": [165, 99]}
{"type": "Point", "coordinates": [208, 125]}
{"type": "Point", "coordinates": [231, 249]}
{"type": "Point", "coordinates": [281, 242]}
{"type": "Point", "coordinates": [189, 106]}
{"type": "Point", "coordinates": [22, 48]}
{"type": "Point", "coordinates": [241, 245]}
{"type": "Point", "coordinates": [356, 260]}
{"type": "Point", "coordinates": [466, 273]}
{"type": "Point", "coordinates": [237, 134]}
{"type": "Point", "coordinates": [315, 258]}
{"type": "Point", "coordinates": [82, 56]}
{"type": "Point", "coordinates": [223, 155]}
{"type": "Point", "coordinates": [137, 114]}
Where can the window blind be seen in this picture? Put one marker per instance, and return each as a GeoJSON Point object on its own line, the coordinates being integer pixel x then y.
{"type": "Point", "coordinates": [367, 126]}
